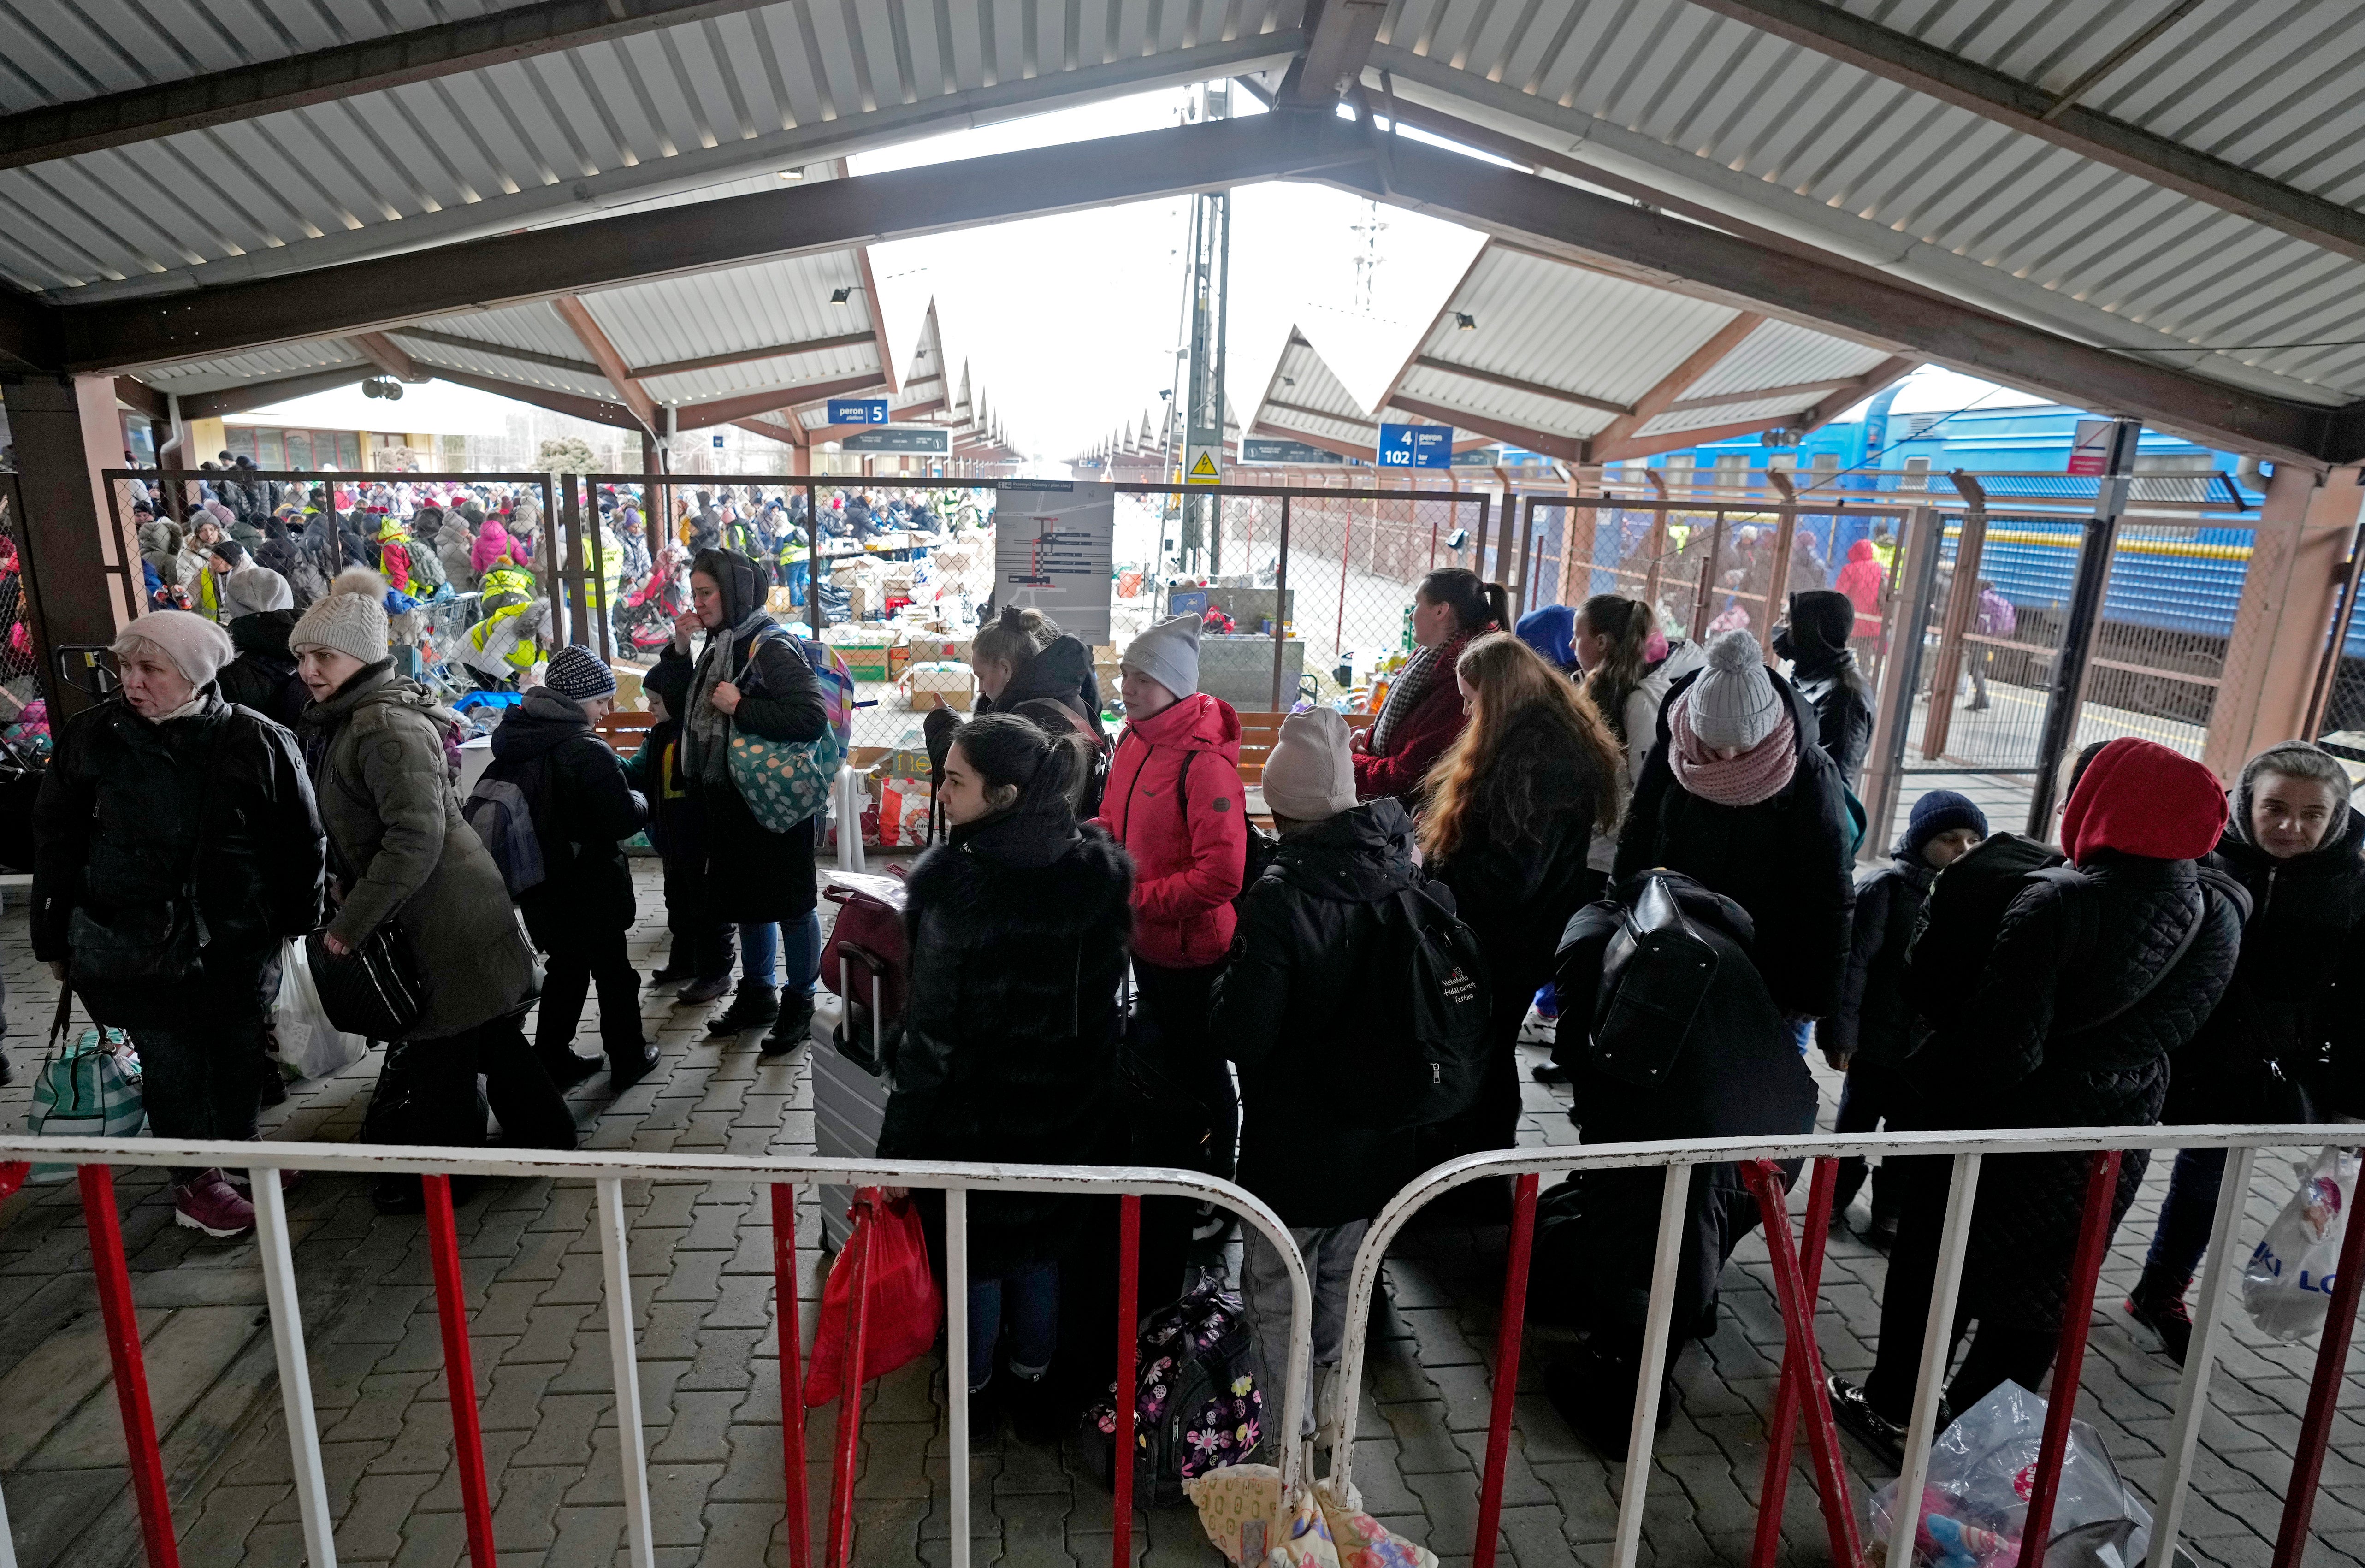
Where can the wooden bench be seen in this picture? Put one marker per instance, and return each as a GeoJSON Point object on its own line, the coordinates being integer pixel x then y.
{"type": "Point", "coordinates": [1260, 731]}
{"type": "Point", "coordinates": [625, 729]}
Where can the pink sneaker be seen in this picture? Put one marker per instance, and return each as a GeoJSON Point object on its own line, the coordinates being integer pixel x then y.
{"type": "Point", "coordinates": [210, 1203]}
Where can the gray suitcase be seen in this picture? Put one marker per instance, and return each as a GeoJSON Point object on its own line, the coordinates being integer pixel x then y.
{"type": "Point", "coordinates": [849, 1107]}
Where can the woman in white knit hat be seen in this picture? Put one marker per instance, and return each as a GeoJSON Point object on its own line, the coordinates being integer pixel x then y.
{"type": "Point", "coordinates": [399, 851]}
{"type": "Point", "coordinates": [1739, 796]}
{"type": "Point", "coordinates": [160, 792]}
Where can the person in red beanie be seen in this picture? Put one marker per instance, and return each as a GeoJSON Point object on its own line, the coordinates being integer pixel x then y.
{"type": "Point", "coordinates": [2098, 970]}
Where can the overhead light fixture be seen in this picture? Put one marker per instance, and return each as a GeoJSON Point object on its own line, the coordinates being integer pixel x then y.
{"type": "Point", "coordinates": [1289, 381]}
{"type": "Point", "coordinates": [383, 387]}
{"type": "Point", "coordinates": [840, 296]}
{"type": "Point", "coordinates": [1466, 323]}
{"type": "Point", "coordinates": [792, 176]}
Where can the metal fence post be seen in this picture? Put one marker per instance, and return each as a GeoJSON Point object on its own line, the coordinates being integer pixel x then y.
{"type": "Point", "coordinates": [1280, 607]}
{"type": "Point", "coordinates": [123, 1349]}
{"type": "Point", "coordinates": [459, 1369]}
{"type": "Point", "coordinates": [2081, 628]}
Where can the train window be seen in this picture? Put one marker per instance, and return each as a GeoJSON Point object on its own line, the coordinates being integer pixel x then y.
{"type": "Point", "coordinates": [270, 452]}
{"type": "Point", "coordinates": [1732, 470]}
{"type": "Point", "coordinates": [300, 448]}
{"type": "Point", "coordinates": [1827, 462]}
{"type": "Point", "coordinates": [349, 450]}
{"type": "Point", "coordinates": [1782, 461]}
{"type": "Point", "coordinates": [1917, 475]}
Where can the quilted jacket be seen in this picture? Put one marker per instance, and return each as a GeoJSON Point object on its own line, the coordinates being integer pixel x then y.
{"type": "Point", "coordinates": [2035, 1044]}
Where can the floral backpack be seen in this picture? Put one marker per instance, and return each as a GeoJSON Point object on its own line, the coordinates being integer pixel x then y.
{"type": "Point", "coordinates": [1198, 1399]}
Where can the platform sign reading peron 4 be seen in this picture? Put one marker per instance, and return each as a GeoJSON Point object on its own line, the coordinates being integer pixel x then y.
{"type": "Point", "coordinates": [1416, 446]}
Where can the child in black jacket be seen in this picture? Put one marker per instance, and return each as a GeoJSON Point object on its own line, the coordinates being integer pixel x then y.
{"type": "Point", "coordinates": [1870, 1034]}
{"type": "Point", "coordinates": [579, 914]}
{"type": "Point", "coordinates": [702, 946]}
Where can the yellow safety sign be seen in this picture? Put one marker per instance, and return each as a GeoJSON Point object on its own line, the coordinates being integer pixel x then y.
{"type": "Point", "coordinates": [1202, 468]}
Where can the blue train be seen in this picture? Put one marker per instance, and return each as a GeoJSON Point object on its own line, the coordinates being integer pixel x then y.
{"type": "Point", "coordinates": [2179, 580]}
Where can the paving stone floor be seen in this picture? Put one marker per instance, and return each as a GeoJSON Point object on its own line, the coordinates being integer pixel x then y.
{"type": "Point", "coordinates": [710, 1378]}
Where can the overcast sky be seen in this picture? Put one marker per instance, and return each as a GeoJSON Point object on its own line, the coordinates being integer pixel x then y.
{"type": "Point", "coordinates": [1070, 323]}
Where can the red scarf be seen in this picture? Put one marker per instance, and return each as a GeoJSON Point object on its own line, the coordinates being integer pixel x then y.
{"type": "Point", "coordinates": [1758, 774]}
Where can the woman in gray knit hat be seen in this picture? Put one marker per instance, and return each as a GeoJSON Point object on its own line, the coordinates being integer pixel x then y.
{"type": "Point", "coordinates": [1739, 796]}
{"type": "Point", "coordinates": [399, 851]}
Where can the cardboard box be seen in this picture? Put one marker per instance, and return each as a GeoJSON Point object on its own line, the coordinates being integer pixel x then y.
{"type": "Point", "coordinates": [939, 684]}
{"type": "Point", "coordinates": [899, 654]}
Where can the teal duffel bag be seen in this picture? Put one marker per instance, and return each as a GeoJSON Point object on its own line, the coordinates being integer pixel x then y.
{"type": "Point", "coordinates": [88, 1089]}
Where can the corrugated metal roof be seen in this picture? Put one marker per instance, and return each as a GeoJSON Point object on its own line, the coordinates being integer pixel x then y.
{"type": "Point", "coordinates": [259, 365]}
{"type": "Point", "coordinates": [65, 50]}
{"type": "Point", "coordinates": [1317, 402]}
{"type": "Point", "coordinates": [1558, 326]}
{"type": "Point", "coordinates": [1550, 326]}
{"type": "Point", "coordinates": [555, 136]}
{"type": "Point", "coordinates": [1782, 135]}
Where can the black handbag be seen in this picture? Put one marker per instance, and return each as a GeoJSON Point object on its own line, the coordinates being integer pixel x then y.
{"type": "Point", "coordinates": [374, 991]}
{"type": "Point", "coordinates": [1655, 974]}
{"type": "Point", "coordinates": [133, 965]}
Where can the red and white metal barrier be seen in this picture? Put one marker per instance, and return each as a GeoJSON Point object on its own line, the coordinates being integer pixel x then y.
{"type": "Point", "coordinates": [1798, 1269]}
{"type": "Point", "coordinates": [608, 1171]}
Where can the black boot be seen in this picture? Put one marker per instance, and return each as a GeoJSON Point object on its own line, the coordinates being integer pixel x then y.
{"type": "Point", "coordinates": [630, 1066]}
{"type": "Point", "coordinates": [566, 1069]}
{"type": "Point", "coordinates": [2157, 1306]}
{"type": "Point", "coordinates": [756, 1006]}
{"type": "Point", "coordinates": [793, 1027]}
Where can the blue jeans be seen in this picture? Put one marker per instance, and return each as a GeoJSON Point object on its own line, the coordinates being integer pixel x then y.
{"type": "Point", "coordinates": [759, 953]}
{"type": "Point", "coordinates": [1030, 1297]}
{"type": "Point", "coordinates": [2186, 1214]}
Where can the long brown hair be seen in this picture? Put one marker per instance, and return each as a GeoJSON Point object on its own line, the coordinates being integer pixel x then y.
{"type": "Point", "coordinates": [1490, 775]}
{"type": "Point", "coordinates": [1627, 625]}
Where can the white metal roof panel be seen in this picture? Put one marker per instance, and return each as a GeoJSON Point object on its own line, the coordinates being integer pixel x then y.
{"type": "Point", "coordinates": [1780, 353]}
{"type": "Point", "coordinates": [1319, 402]}
{"type": "Point", "coordinates": [567, 134]}
{"type": "Point", "coordinates": [257, 364]}
{"type": "Point", "coordinates": [1780, 133]}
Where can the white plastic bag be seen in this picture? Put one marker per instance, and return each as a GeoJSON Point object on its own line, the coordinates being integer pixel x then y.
{"type": "Point", "coordinates": [307, 1041]}
{"type": "Point", "coordinates": [2287, 1285]}
{"type": "Point", "coordinates": [1975, 1500]}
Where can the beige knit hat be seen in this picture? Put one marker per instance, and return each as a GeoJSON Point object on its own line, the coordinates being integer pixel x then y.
{"type": "Point", "coordinates": [349, 622]}
{"type": "Point", "coordinates": [1309, 776]}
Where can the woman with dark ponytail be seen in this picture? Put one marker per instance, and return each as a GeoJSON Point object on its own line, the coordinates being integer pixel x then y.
{"type": "Point", "coordinates": [1018, 927]}
{"type": "Point", "coordinates": [1629, 670]}
{"type": "Point", "coordinates": [1423, 713]}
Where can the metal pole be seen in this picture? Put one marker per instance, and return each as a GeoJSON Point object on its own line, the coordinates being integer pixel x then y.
{"type": "Point", "coordinates": [632, 1451]}
{"type": "Point", "coordinates": [792, 1394]}
{"type": "Point", "coordinates": [1642, 1437]}
{"type": "Point", "coordinates": [1128, 1329]}
{"type": "Point", "coordinates": [1510, 1324]}
{"type": "Point", "coordinates": [2070, 1358]}
{"type": "Point", "coordinates": [1280, 607]}
{"type": "Point", "coordinates": [2080, 631]}
{"type": "Point", "coordinates": [2200, 1356]}
{"type": "Point", "coordinates": [459, 1366]}
{"type": "Point", "coordinates": [956, 1364]}
{"type": "Point", "coordinates": [813, 568]}
{"type": "Point", "coordinates": [1937, 1343]}
{"type": "Point", "coordinates": [2323, 1395]}
{"type": "Point", "coordinates": [122, 1321]}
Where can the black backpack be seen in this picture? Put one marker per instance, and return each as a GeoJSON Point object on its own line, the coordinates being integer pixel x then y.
{"type": "Point", "coordinates": [1432, 1071]}
{"type": "Point", "coordinates": [1199, 1399]}
{"type": "Point", "coordinates": [1957, 929]}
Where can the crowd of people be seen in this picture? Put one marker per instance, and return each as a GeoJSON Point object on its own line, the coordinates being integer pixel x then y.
{"type": "Point", "coordinates": [1110, 961]}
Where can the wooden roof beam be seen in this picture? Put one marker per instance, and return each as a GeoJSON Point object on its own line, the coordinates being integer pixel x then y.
{"type": "Point", "coordinates": [749, 356]}
{"type": "Point", "coordinates": [270, 86]}
{"type": "Point", "coordinates": [595, 341]}
{"type": "Point", "coordinates": [499, 350]}
{"type": "Point", "coordinates": [2007, 100]}
{"type": "Point", "coordinates": [263, 394]}
{"type": "Point", "coordinates": [596, 409]}
{"type": "Point", "coordinates": [1323, 442]}
{"type": "Point", "coordinates": [1842, 399]}
{"type": "Point", "coordinates": [751, 405]}
{"type": "Point", "coordinates": [1567, 448]}
{"type": "Point", "coordinates": [1513, 384]}
{"type": "Point", "coordinates": [388, 356]}
{"type": "Point", "coordinates": [1677, 382]}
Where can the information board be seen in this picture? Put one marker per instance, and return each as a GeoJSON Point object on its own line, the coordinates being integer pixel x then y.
{"type": "Point", "coordinates": [1260, 450]}
{"type": "Point", "coordinates": [1416, 446]}
{"type": "Point", "coordinates": [905, 437]}
{"type": "Point", "coordinates": [2090, 448]}
{"type": "Point", "coordinates": [1054, 550]}
{"type": "Point", "coordinates": [858, 411]}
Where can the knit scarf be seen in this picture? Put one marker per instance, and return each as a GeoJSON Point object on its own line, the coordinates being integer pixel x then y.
{"type": "Point", "coordinates": [706, 730]}
{"type": "Point", "coordinates": [1420, 672]}
{"type": "Point", "coordinates": [1758, 774]}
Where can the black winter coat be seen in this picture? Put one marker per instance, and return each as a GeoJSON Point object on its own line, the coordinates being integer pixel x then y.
{"type": "Point", "coordinates": [583, 809]}
{"type": "Point", "coordinates": [1843, 715]}
{"type": "Point", "coordinates": [755, 876]}
{"type": "Point", "coordinates": [1785, 859]}
{"type": "Point", "coordinates": [1739, 1073]}
{"type": "Point", "coordinates": [1516, 884]}
{"type": "Point", "coordinates": [1062, 673]}
{"type": "Point", "coordinates": [1017, 932]}
{"type": "Point", "coordinates": [263, 676]}
{"type": "Point", "coordinates": [118, 821]}
{"type": "Point", "coordinates": [1875, 1019]}
{"type": "Point", "coordinates": [2297, 1003]}
{"type": "Point", "coordinates": [2024, 1049]}
{"type": "Point", "coordinates": [1306, 993]}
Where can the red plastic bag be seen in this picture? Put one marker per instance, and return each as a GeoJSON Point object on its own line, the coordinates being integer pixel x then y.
{"type": "Point", "coordinates": [903, 1304]}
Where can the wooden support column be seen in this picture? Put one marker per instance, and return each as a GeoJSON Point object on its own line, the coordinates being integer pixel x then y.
{"type": "Point", "coordinates": [1576, 538]}
{"type": "Point", "coordinates": [82, 559]}
{"type": "Point", "coordinates": [2288, 599]}
{"type": "Point", "coordinates": [650, 461]}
